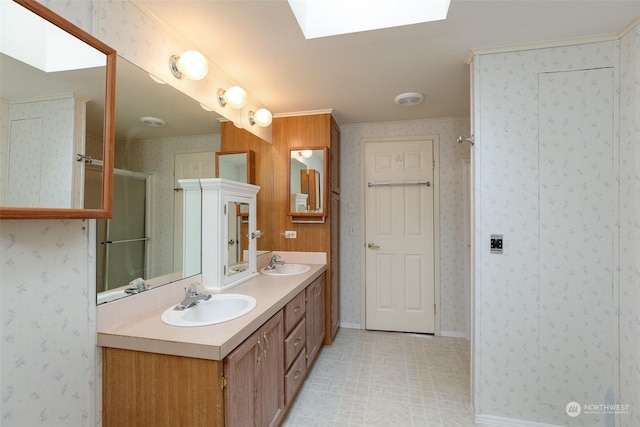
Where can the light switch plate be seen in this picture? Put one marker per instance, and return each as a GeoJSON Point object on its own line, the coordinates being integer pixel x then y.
{"type": "Point", "coordinates": [290, 234]}
{"type": "Point", "coordinates": [496, 243]}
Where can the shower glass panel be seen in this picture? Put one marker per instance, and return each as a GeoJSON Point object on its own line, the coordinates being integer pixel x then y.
{"type": "Point", "coordinates": [122, 240]}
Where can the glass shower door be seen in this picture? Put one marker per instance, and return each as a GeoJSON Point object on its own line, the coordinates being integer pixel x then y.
{"type": "Point", "coordinates": [123, 238]}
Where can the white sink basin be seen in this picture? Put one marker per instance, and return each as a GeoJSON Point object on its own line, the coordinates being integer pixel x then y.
{"type": "Point", "coordinates": [219, 308]}
{"type": "Point", "coordinates": [287, 269]}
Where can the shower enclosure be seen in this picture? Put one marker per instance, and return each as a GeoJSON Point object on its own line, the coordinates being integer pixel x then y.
{"type": "Point", "coordinates": [122, 240]}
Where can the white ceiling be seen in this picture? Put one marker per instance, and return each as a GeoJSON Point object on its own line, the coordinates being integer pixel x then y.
{"type": "Point", "coordinates": [358, 75]}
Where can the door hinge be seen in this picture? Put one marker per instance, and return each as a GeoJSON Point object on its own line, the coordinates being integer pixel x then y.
{"type": "Point", "coordinates": [434, 309]}
{"type": "Point", "coordinates": [223, 382]}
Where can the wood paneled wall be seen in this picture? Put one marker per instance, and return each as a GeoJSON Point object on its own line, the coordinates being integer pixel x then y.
{"type": "Point", "coordinates": [293, 132]}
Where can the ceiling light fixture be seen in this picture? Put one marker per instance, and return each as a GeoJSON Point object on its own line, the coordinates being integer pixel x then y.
{"type": "Point", "coordinates": [305, 153]}
{"type": "Point", "coordinates": [235, 96]}
{"type": "Point", "coordinates": [261, 117]}
{"type": "Point", "coordinates": [409, 99]}
{"type": "Point", "coordinates": [191, 64]}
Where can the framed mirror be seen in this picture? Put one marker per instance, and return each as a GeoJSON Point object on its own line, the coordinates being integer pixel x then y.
{"type": "Point", "coordinates": [236, 165]}
{"type": "Point", "coordinates": [54, 115]}
{"type": "Point", "coordinates": [162, 157]}
{"type": "Point", "coordinates": [307, 182]}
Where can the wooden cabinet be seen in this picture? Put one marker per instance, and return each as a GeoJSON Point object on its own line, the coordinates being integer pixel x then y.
{"type": "Point", "coordinates": [252, 387]}
{"type": "Point", "coordinates": [315, 318]}
{"type": "Point", "coordinates": [254, 393]}
{"type": "Point", "coordinates": [295, 352]}
{"type": "Point", "coordinates": [147, 389]}
{"type": "Point", "coordinates": [297, 132]}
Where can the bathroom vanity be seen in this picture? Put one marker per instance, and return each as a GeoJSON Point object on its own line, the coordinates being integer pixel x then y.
{"type": "Point", "coordinates": [244, 372]}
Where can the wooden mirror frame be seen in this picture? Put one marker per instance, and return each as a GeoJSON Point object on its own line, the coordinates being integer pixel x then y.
{"type": "Point", "coordinates": [323, 185]}
{"type": "Point", "coordinates": [251, 163]}
{"type": "Point", "coordinates": [109, 126]}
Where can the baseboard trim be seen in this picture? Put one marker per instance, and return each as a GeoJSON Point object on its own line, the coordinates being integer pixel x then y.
{"type": "Point", "coordinates": [493, 421]}
{"type": "Point", "coordinates": [453, 334]}
{"type": "Point", "coordinates": [350, 325]}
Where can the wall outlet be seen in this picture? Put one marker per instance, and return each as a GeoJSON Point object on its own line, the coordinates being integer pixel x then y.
{"type": "Point", "coordinates": [290, 234]}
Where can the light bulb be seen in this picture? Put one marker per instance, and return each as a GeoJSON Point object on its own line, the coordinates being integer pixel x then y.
{"type": "Point", "coordinates": [193, 65]}
{"type": "Point", "coordinates": [262, 117]}
{"type": "Point", "coordinates": [236, 97]}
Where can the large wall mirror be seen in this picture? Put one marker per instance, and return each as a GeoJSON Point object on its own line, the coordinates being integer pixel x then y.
{"type": "Point", "coordinates": [56, 111]}
{"type": "Point", "coordinates": [307, 182]}
{"type": "Point", "coordinates": [162, 136]}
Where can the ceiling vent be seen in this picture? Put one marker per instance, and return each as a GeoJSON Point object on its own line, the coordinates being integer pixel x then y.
{"type": "Point", "coordinates": [409, 99]}
{"type": "Point", "coordinates": [152, 121]}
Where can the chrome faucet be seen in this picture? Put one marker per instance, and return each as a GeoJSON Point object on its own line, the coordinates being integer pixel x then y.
{"type": "Point", "coordinates": [191, 297]}
{"type": "Point", "coordinates": [273, 262]}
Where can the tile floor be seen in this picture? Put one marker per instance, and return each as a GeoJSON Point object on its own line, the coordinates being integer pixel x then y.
{"type": "Point", "coordinates": [370, 378]}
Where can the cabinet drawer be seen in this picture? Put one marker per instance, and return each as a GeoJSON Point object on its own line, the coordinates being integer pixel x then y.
{"type": "Point", "coordinates": [293, 312]}
{"type": "Point", "coordinates": [294, 343]}
{"type": "Point", "coordinates": [295, 377]}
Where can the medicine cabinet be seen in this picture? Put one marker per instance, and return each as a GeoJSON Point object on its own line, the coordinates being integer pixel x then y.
{"type": "Point", "coordinates": [307, 182]}
{"type": "Point", "coordinates": [228, 217]}
{"type": "Point", "coordinates": [55, 123]}
{"type": "Point", "coordinates": [236, 165]}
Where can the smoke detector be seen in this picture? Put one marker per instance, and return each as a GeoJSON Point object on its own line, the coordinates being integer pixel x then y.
{"type": "Point", "coordinates": [409, 99]}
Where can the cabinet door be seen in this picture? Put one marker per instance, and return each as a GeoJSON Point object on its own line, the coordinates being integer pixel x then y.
{"type": "Point", "coordinates": [311, 319]}
{"type": "Point", "coordinates": [271, 373]}
{"type": "Point", "coordinates": [320, 311]}
{"type": "Point", "coordinates": [315, 317]}
{"type": "Point", "coordinates": [241, 370]}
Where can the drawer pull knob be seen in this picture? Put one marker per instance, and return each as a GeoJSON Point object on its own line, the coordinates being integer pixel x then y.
{"type": "Point", "coordinates": [297, 374]}
{"type": "Point", "coordinates": [297, 341]}
{"type": "Point", "coordinates": [297, 309]}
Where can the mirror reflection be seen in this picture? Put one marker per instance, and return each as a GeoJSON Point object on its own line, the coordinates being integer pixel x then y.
{"type": "Point", "coordinates": [306, 178]}
{"type": "Point", "coordinates": [162, 136]}
{"type": "Point", "coordinates": [238, 238]}
{"type": "Point", "coordinates": [52, 112]}
{"type": "Point", "coordinates": [236, 165]}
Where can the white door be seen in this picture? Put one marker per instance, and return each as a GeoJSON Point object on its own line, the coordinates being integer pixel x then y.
{"type": "Point", "coordinates": [399, 259]}
{"type": "Point", "coordinates": [187, 166]}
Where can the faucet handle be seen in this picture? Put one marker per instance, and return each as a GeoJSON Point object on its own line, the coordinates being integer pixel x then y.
{"type": "Point", "coordinates": [191, 291]}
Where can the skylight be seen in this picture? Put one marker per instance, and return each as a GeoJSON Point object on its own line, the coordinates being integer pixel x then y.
{"type": "Point", "coordinates": [323, 18]}
{"type": "Point", "coordinates": [34, 41]}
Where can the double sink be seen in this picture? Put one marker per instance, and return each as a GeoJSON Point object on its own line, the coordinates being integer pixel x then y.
{"type": "Point", "coordinates": [224, 307]}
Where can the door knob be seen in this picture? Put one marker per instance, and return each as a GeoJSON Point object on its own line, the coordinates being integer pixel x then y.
{"type": "Point", "coordinates": [372, 245]}
{"type": "Point", "coordinates": [232, 242]}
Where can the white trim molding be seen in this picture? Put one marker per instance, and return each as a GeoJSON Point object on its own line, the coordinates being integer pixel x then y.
{"type": "Point", "coordinates": [492, 420]}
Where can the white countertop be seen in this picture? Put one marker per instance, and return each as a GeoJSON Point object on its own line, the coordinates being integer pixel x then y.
{"type": "Point", "coordinates": [149, 334]}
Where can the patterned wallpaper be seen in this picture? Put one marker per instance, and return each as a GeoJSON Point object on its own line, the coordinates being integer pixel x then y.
{"type": "Point", "coordinates": [47, 324]}
{"type": "Point", "coordinates": [630, 225]}
{"type": "Point", "coordinates": [451, 215]}
{"type": "Point", "coordinates": [546, 324]}
{"type": "Point", "coordinates": [4, 146]}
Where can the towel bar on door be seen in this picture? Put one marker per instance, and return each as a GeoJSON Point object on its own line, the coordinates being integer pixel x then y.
{"type": "Point", "coordinates": [377, 184]}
